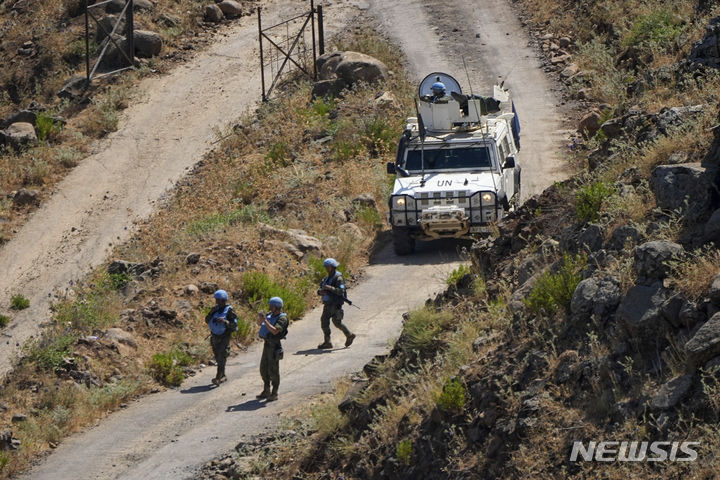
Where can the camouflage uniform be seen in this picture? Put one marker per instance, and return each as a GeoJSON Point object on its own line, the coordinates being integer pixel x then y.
{"type": "Point", "coordinates": [333, 300]}
{"type": "Point", "coordinates": [272, 352]}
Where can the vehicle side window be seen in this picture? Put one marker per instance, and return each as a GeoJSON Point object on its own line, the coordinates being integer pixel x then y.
{"type": "Point", "coordinates": [502, 150]}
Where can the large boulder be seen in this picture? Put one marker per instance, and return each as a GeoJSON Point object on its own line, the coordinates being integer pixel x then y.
{"type": "Point", "coordinates": [651, 259]}
{"type": "Point", "coordinates": [589, 124]}
{"type": "Point", "coordinates": [328, 88]}
{"type": "Point", "coordinates": [118, 335]}
{"type": "Point", "coordinates": [19, 135]}
{"type": "Point", "coordinates": [671, 392]}
{"type": "Point", "coordinates": [327, 65]}
{"type": "Point", "coordinates": [116, 6]}
{"type": "Point", "coordinates": [705, 344]}
{"type": "Point", "coordinates": [712, 228]}
{"type": "Point", "coordinates": [596, 296]}
{"type": "Point", "coordinates": [715, 291]}
{"type": "Point", "coordinates": [25, 197]}
{"type": "Point", "coordinates": [624, 235]}
{"type": "Point", "coordinates": [591, 238]}
{"type": "Point", "coordinates": [640, 312]}
{"type": "Point", "coordinates": [147, 44]}
{"type": "Point", "coordinates": [682, 187]}
{"type": "Point", "coordinates": [231, 8]}
{"type": "Point", "coordinates": [213, 14]}
{"type": "Point", "coordinates": [357, 67]}
{"type": "Point", "coordinates": [299, 239]}
{"type": "Point", "coordinates": [73, 88]}
{"type": "Point", "coordinates": [706, 52]}
{"type": "Point", "coordinates": [116, 55]}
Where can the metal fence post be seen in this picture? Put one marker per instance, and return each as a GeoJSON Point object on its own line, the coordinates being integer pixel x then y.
{"type": "Point", "coordinates": [312, 29]}
{"type": "Point", "coordinates": [262, 61]}
{"type": "Point", "coordinates": [87, 43]}
{"type": "Point", "coordinates": [130, 31]}
{"type": "Point", "coordinates": [321, 30]}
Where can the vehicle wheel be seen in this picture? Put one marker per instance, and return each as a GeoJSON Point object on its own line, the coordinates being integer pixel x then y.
{"type": "Point", "coordinates": [403, 243]}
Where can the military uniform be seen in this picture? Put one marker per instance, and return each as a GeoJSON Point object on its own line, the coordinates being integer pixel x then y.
{"type": "Point", "coordinates": [333, 300]}
{"type": "Point", "coordinates": [220, 334]}
{"type": "Point", "coordinates": [272, 353]}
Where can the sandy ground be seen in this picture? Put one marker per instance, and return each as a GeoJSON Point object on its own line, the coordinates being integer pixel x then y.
{"type": "Point", "coordinates": [171, 434]}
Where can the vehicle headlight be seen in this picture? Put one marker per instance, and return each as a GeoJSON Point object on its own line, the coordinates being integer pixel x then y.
{"type": "Point", "coordinates": [402, 201]}
{"type": "Point", "coordinates": [487, 198]}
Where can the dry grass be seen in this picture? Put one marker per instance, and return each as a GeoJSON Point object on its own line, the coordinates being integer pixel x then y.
{"type": "Point", "coordinates": [694, 276]}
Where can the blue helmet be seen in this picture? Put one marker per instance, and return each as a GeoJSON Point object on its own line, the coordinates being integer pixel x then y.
{"type": "Point", "coordinates": [331, 262]}
{"type": "Point", "coordinates": [438, 86]}
{"type": "Point", "coordinates": [276, 302]}
{"type": "Point", "coordinates": [221, 295]}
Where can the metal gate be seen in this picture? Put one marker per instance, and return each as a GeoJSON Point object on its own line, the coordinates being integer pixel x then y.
{"type": "Point", "coordinates": [125, 52]}
{"type": "Point", "coordinates": [285, 45]}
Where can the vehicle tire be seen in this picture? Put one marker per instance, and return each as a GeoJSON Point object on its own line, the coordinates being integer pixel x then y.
{"type": "Point", "coordinates": [403, 243]}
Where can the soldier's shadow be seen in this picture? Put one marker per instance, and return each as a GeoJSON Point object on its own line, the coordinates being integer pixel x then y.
{"type": "Point", "coordinates": [248, 406]}
{"type": "Point", "coordinates": [315, 351]}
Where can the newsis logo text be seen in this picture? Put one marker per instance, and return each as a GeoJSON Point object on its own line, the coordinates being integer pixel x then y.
{"type": "Point", "coordinates": [634, 451]}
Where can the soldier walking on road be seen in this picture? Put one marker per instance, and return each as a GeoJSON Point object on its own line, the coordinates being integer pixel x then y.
{"type": "Point", "coordinates": [332, 290]}
{"type": "Point", "coordinates": [273, 328]}
{"type": "Point", "coordinates": [222, 322]}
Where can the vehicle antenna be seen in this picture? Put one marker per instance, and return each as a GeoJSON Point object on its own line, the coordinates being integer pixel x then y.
{"type": "Point", "coordinates": [423, 133]}
{"type": "Point", "coordinates": [487, 126]}
{"type": "Point", "coordinates": [472, 94]}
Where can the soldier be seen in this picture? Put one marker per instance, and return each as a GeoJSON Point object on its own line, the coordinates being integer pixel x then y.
{"type": "Point", "coordinates": [332, 291]}
{"type": "Point", "coordinates": [222, 322]}
{"type": "Point", "coordinates": [438, 93]}
{"type": "Point", "coordinates": [273, 328]}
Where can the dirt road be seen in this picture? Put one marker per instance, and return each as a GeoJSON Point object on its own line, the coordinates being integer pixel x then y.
{"type": "Point", "coordinates": [170, 435]}
{"type": "Point", "coordinates": [157, 141]}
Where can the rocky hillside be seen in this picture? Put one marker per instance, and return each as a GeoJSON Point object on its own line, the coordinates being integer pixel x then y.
{"type": "Point", "coordinates": [593, 314]}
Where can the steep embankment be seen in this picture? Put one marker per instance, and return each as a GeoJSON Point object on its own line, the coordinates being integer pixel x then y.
{"type": "Point", "coordinates": [591, 317]}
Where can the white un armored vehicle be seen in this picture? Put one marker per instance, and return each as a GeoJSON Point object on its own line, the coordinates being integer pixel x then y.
{"type": "Point", "coordinates": [456, 168]}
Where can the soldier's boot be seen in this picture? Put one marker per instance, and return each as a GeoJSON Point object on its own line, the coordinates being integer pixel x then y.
{"type": "Point", "coordinates": [349, 339]}
{"type": "Point", "coordinates": [273, 395]}
{"type": "Point", "coordinates": [265, 393]}
{"type": "Point", "coordinates": [326, 344]}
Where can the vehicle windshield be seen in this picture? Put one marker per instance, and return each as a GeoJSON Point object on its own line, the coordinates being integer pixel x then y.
{"type": "Point", "coordinates": [473, 158]}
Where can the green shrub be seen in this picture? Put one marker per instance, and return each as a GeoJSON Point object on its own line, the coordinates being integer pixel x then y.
{"type": "Point", "coordinates": [4, 460]}
{"type": "Point", "coordinates": [452, 398]}
{"type": "Point", "coordinates": [657, 29]}
{"type": "Point", "coordinates": [244, 329]}
{"type": "Point", "coordinates": [94, 308]}
{"type": "Point", "coordinates": [118, 281]}
{"type": "Point", "coordinates": [403, 451]}
{"type": "Point", "coordinates": [457, 274]}
{"type": "Point", "coordinates": [346, 150]}
{"type": "Point", "coordinates": [19, 302]}
{"type": "Point", "coordinates": [68, 157]}
{"type": "Point", "coordinates": [167, 369]}
{"type": "Point", "coordinates": [369, 216]}
{"type": "Point", "coordinates": [422, 327]}
{"type": "Point", "coordinates": [380, 135]}
{"type": "Point", "coordinates": [251, 213]}
{"type": "Point", "coordinates": [259, 288]}
{"type": "Point", "coordinates": [279, 155]}
{"type": "Point", "coordinates": [4, 321]}
{"type": "Point", "coordinates": [45, 126]}
{"type": "Point", "coordinates": [553, 291]}
{"type": "Point", "coordinates": [323, 106]}
{"type": "Point", "coordinates": [47, 353]}
{"type": "Point", "coordinates": [589, 199]}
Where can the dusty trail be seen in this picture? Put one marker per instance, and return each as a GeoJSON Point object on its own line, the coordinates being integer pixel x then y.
{"type": "Point", "coordinates": [170, 435]}
{"type": "Point", "coordinates": [157, 141]}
